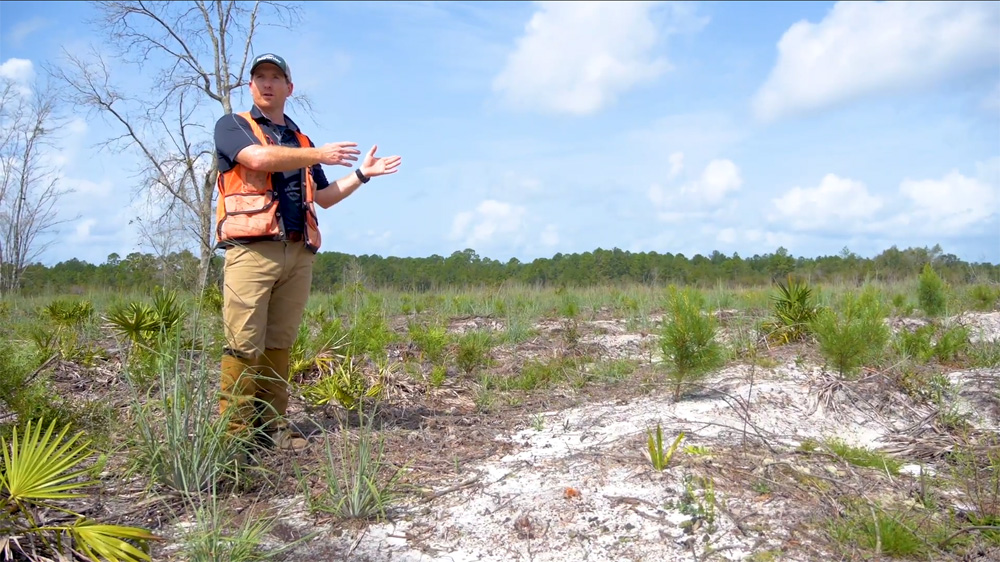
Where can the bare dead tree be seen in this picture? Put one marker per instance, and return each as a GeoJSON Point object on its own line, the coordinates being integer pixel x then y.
{"type": "Point", "coordinates": [28, 184]}
{"type": "Point", "coordinates": [195, 55]}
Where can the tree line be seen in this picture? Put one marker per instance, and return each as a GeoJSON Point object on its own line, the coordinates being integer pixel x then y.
{"type": "Point", "coordinates": [333, 270]}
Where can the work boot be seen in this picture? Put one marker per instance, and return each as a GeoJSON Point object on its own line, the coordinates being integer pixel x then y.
{"type": "Point", "coordinates": [284, 438]}
{"type": "Point", "coordinates": [272, 386]}
{"type": "Point", "coordinates": [238, 388]}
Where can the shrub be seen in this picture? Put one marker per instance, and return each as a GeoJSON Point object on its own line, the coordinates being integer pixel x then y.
{"type": "Point", "coordinates": [344, 381]}
{"type": "Point", "coordinates": [794, 310]}
{"type": "Point", "coordinates": [473, 350]}
{"type": "Point", "coordinates": [39, 470]}
{"type": "Point", "coordinates": [24, 395]}
{"type": "Point", "coordinates": [984, 298]}
{"type": "Point", "coordinates": [931, 292]}
{"type": "Point", "coordinates": [369, 333]}
{"type": "Point", "coordinates": [68, 314]}
{"type": "Point", "coordinates": [917, 344]}
{"type": "Point", "coordinates": [431, 339]}
{"type": "Point", "coordinates": [854, 335]}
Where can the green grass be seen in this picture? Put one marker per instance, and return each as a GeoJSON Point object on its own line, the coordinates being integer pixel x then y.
{"type": "Point", "coordinates": [889, 531]}
{"type": "Point", "coordinates": [613, 370]}
{"type": "Point", "coordinates": [358, 482]}
{"type": "Point", "coordinates": [863, 457]}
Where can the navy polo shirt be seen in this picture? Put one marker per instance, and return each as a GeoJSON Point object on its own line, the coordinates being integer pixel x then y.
{"type": "Point", "coordinates": [233, 134]}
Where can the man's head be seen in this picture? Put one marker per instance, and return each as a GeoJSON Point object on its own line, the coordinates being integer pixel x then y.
{"type": "Point", "coordinates": [271, 58]}
{"type": "Point", "coordinates": [270, 82]}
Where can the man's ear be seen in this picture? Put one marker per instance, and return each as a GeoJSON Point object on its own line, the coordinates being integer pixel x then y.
{"type": "Point", "coordinates": [291, 87]}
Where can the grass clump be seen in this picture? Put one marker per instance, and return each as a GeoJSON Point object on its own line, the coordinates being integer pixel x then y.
{"type": "Point", "coordinates": [864, 457]}
{"type": "Point", "coordinates": [180, 438]}
{"type": "Point", "coordinates": [536, 374]}
{"type": "Point", "coordinates": [975, 469]}
{"type": "Point", "coordinates": [356, 481]}
{"type": "Point", "coordinates": [216, 534]}
{"type": "Point", "coordinates": [613, 370]}
{"type": "Point", "coordinates": [893, 532]}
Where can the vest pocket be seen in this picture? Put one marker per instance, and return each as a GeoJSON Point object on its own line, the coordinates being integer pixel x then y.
{"type": "Point", "coordinates": [249, 215]}
{"type": "Point", "coordinates": [313, 238]}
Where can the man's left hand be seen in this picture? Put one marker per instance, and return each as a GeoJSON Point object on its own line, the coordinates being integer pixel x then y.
{"type": "Point", "coordinates": [372, 166]}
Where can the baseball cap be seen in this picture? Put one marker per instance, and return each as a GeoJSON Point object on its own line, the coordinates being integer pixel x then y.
{"type": "Point", "coordinates": [273, 59]}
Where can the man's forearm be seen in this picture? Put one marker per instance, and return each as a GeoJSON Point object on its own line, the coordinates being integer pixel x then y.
{"type": "Point", "coordinates": [274, 158]}
{"type": "Point", "coordinates": [338, 191]}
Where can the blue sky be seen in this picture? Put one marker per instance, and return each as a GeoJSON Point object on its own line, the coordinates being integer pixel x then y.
{"type": "Point", "coordinates": [528, 129]}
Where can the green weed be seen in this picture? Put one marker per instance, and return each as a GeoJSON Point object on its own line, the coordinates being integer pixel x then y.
{"type": "Point", "coordinates": [659, 456]}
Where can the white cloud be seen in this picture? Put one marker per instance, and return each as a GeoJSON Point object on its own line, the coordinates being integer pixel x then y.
{"type": "Point", "coordinates": [19, 71]}
{"type": "Point", "coordinates": [550, 236]}
{"type": "Point", "coordinates": [83, 228]}
{"type": "Point", "coordinates": [577, 57]}
{"type": "Point", "coordinates": [719, 178]}
{"type": "Point", "coordinates": [23, 29]}
{"type": "Point", "coordinates": [951, 205]}
{"type": "Point", "coordinates": [864, 48]}
{"type": "Point", "coordinates": [836, 201]}
{"type": "Point", "coordinates": [490, 219]}
{"type": "Point", "coordinates": [698, 198]}
{"type": "Point", "coordinates": [676, 164]}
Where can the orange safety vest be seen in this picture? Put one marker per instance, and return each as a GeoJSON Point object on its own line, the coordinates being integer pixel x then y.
{"type": "Point", "coordinates": [248, 204]}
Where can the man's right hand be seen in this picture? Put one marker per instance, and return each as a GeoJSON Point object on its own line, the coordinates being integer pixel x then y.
{"type": "Point", "coordinates": [338, 153]}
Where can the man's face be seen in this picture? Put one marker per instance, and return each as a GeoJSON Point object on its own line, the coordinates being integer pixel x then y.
{"type": "Point", "coordinates": [269, 87]}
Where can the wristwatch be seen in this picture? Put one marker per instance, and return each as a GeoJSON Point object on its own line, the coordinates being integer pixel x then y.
{"type": "Point", "coordinates": [362, 177]}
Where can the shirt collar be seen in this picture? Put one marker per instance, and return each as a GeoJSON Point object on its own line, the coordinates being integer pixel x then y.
{"type": "Point", "coordinates": [261, 118]}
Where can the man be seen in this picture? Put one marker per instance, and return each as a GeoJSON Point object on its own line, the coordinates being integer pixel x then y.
{"type": "Point", "coordinates": [270, 179]}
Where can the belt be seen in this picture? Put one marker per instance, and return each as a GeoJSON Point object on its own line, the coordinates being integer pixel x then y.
{"type": "Point", "coordinates": [293, 236]}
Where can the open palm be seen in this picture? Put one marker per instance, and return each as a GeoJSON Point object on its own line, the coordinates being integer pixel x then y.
{"type": "Point", "coordinates": [373, 166]}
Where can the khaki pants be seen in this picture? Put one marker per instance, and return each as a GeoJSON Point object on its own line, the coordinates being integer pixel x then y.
{"type": "Point", "coordinates": [266, 286]}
